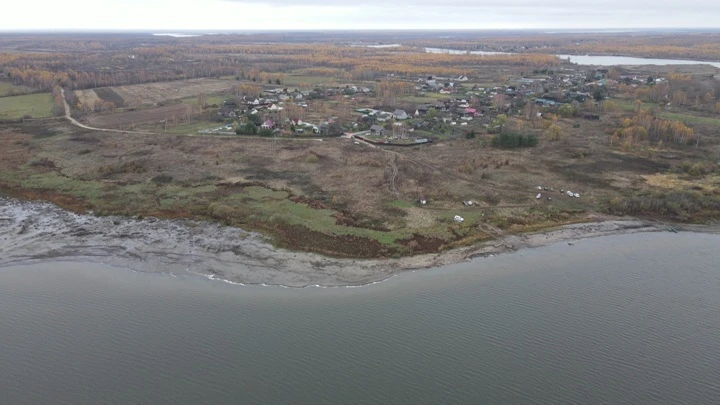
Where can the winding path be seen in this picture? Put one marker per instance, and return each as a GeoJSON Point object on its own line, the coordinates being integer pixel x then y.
{"type": "Point", "coordinates": [393, 177]}
{"type": "Point", "coordinates": [81, 125]}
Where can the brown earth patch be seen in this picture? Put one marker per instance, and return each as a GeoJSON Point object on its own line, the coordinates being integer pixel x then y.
{"type": "Point", "coordinates": [310, 202]}
{"type": "Point", "coordinates": [15, 150]}
{"type": "Point", "coordinates": [346, 219]}
{"type": "Point", "coordinates": [331, 245]}
{"type": "Point", "coordinates": [70, 203]}
{"type": "Point", "coordinates": [423, 244]}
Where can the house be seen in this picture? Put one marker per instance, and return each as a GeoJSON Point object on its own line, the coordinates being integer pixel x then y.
{"type": "Point", "coordinates": [400, 115]}
{"type": "Point", "coordinates": [377, 130]}
{"type": "Point", "coordinates": [423, 108]}
{"type": "Point", "coordinates": [546, 102]}
{"type": "Point", "coordinates": [269, 124]}
{"type": "Point", "coordinates": [462, 79]}
{"type": "Point", "coordinates": [297, 121]}
{"type": "Point", "coordinates": [384, 116]}
{"type": "Point", "coordinates": [470, 112]}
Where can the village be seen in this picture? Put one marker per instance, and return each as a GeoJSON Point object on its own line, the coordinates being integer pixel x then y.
{"type": "Point", "coordinates": [450, 108]}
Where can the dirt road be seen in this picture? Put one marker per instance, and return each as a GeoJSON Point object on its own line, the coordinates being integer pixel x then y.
{"type": "Point", "coordinates": [81, 125]}
{"type": "Point", "coordinates": [78, 124]}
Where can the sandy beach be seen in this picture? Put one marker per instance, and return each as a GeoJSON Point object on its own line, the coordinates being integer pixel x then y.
{"type": "Point", "coordinates": [38, 231]}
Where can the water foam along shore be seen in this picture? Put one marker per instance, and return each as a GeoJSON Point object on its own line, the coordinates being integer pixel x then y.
{"type": "Point", "coordinates": [38, 231]}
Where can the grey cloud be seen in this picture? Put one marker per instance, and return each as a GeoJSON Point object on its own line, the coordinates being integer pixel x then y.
{"type": "Point", "coordinates": [528, 13]}
{"type": "Point", "coordinates": [640, 5]}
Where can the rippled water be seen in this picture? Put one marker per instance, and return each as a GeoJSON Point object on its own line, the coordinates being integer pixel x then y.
{"type": "Point", "coordinates": [626, 319]}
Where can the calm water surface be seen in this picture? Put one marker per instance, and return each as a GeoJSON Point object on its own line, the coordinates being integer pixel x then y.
{"type": "Point", "coordinates": [593, 60]}
{"type": "Point", "coordinates": [631, 319]}
{"type": "Point", "coordinates": [600, 60]}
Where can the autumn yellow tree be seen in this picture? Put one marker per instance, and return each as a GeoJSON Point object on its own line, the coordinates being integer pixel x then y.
{"type": "Point", "coordinates": [554, 132]}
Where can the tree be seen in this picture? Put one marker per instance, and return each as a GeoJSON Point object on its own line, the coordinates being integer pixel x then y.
{"type": "Point", "coordinates": [637, 105]}
{"type": "Point", "coordinates": [609, 106]}
{"type": "Point", "coordinates": [202, 100]}
{"type": "Point", "coordinates": [278, 82]}
{"type": "Point", "coordinates": [335, 129]}
{"type": "Point", "coordinates": [247, 129]}
{"type": "Point", "coordinates": [679, 97]}
{"type": "Point", "coordinates": [250, 90]}
{"type": "Point", "coordinates": [499, 101]}
{"type": "Point", "coordinates": [708, 97]}
{"type": "Point", "coordinates": [599, 95]}
{"type": "Point", "coordinates": [566, 111]}
{"type": "Point", "coordinates": [432, 113]}
{"type": "Point", "coordinates": [253, 119]}
{"type": "Point", "coordinates": [554, 132]}
{"type": "Point", "coordinates": [500, 121]}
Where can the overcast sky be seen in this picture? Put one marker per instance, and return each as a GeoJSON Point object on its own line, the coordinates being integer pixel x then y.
{"type": "Point", "coordinates": [178, 15]}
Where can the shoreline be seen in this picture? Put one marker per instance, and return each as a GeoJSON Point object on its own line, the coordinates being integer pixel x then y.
{"type": "Point", "coordinates": [34, 232]}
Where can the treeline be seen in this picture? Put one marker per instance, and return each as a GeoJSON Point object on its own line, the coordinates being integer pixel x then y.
{"type": "Point", "coordinates": [684, 205]}
{"type": "Point", "coordinates": [647, 126]}
{"type": "Point", "coordinates": [95, 66]}
{"type": "Point", "coordinates": [43, 71]}
{"type": "Point", "coordinates": [679, 89]}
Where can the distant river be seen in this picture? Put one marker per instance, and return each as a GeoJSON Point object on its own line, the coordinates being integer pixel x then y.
{"type": "Point", "coordinates": [632, 319]}
{"type": "Point", "coordinates": [596, 60]}
{"type": "Point", "coordinates": [626, 60]}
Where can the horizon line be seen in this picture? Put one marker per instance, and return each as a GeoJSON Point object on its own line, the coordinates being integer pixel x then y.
{"type": "Point", "coordinates": [281, 30]}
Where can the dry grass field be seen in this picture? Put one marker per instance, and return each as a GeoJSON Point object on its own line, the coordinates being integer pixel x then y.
{"type": "Point", "coordinates": [334, 196]}
{"type": "Point", "coordinates": [144, 116]}
{"type": "Point", "coordinates": [152, 93]}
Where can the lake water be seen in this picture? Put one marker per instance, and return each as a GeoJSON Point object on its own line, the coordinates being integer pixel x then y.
{"type": "Point", "coordinates": [630, 319]}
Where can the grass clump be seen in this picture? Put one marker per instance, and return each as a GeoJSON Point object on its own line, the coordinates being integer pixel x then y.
{"type": "Point", "coordinates": [514, 140]}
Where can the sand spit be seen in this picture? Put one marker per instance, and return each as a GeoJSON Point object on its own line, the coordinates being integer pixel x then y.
{"type": "Point", "coordinates": [38, 231]}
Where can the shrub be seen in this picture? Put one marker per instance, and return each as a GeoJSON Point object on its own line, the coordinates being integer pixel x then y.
{"type": "Point", "coordinates": [162, 179]}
